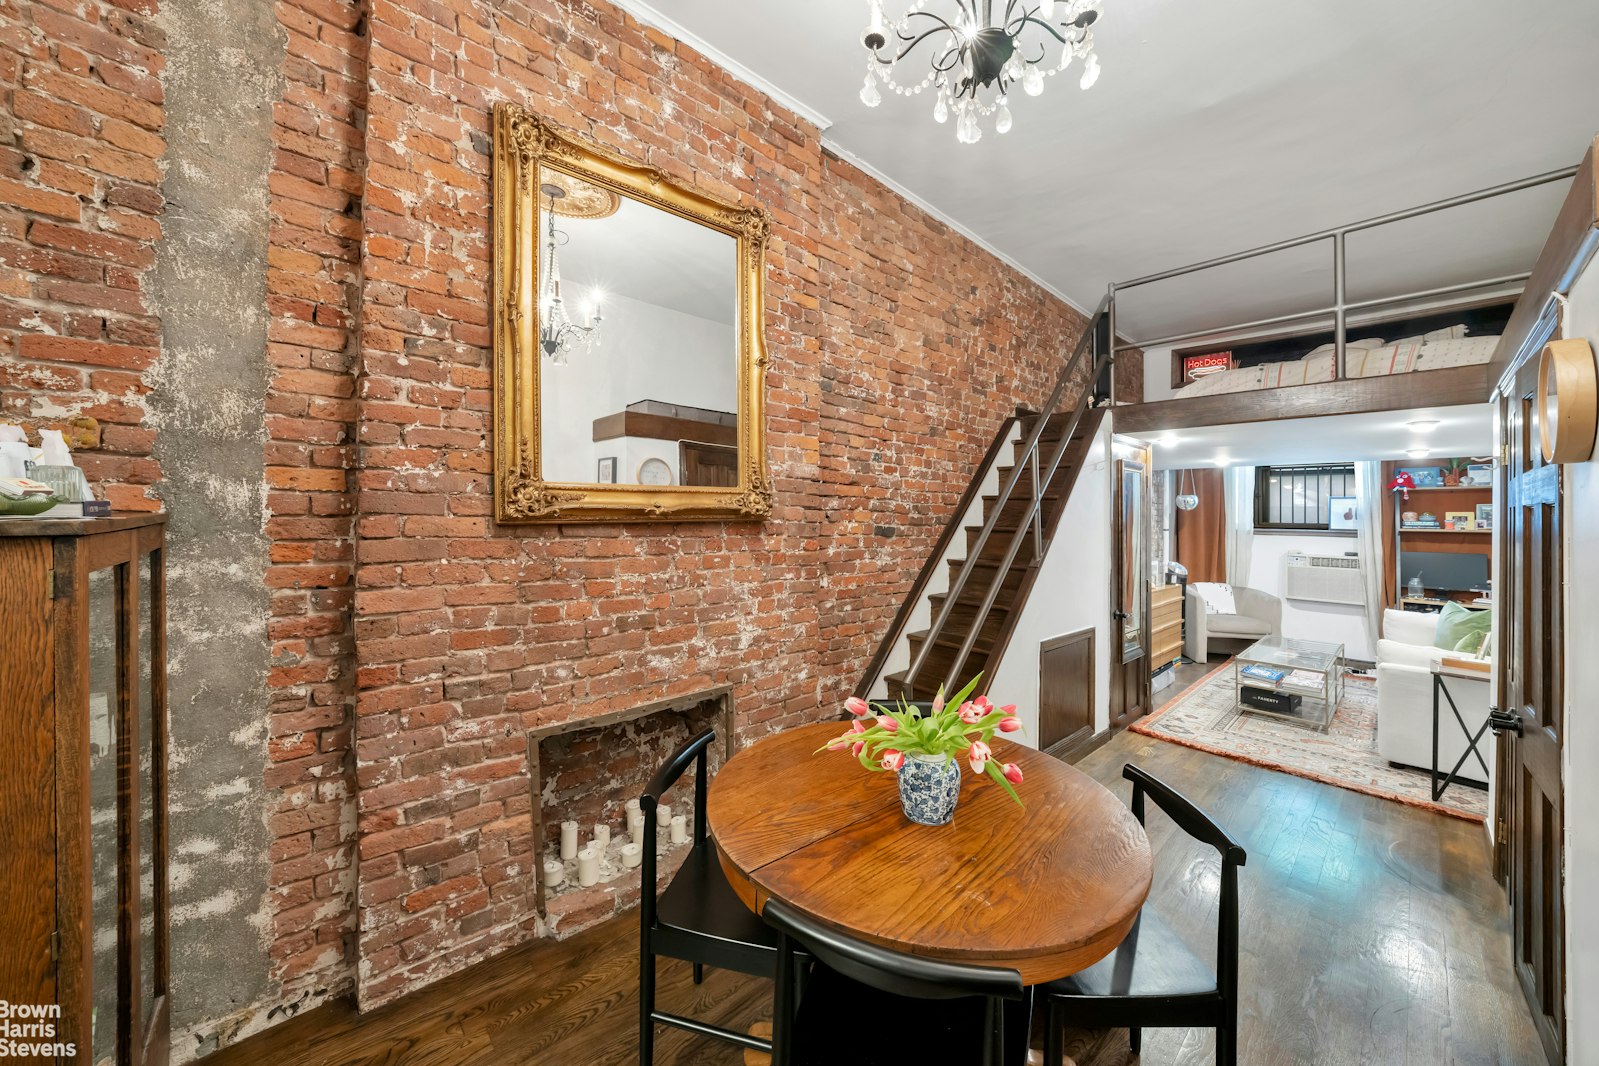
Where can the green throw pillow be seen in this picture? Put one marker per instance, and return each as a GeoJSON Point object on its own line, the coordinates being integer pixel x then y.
{"type": "Point", "coordinates": [1461, 629]}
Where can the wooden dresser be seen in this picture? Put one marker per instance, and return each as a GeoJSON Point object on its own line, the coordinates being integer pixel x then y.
{"type": "Point", "coordinates": [1165, 624]}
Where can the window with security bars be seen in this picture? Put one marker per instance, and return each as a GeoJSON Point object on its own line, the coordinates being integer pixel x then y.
{"type": "Point", "coordinates": [1299, 497]}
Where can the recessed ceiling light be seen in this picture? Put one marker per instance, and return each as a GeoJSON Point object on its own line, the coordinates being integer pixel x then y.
{"type": "Point", "coordinates": [1422, 425]}
{"type": "Point", "coordinates": [1168, 440]}
{"type": "Point", "coordinates": [1419, 453]}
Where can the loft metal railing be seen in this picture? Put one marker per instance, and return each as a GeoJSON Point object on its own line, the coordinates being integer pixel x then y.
{"type": "Point", "coordinates": [1094, 345]}
{"type": "Point", "coordinates": [1341, 307]}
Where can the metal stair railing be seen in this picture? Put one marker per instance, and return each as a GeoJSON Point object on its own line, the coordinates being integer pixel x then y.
{"type": "Point", "coordinates": [1031, 522]}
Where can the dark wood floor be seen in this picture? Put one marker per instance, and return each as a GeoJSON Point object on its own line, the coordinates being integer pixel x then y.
{"type": "Point", "coordinates": [1372, 933]}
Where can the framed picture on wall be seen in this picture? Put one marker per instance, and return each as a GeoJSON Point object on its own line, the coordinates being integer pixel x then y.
{"type": "Point", "coordinates": [607, 474]}
{"type": "Point", "coordinates": [1342, 512]}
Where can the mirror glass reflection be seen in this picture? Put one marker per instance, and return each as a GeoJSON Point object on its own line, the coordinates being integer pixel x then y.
{"type": "Point", "coordinates": [638, 341]}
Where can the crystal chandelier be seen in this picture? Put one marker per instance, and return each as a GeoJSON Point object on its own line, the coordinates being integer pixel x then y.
{"type": "Point", "coordinates": [558, 334]}
{"type": "Point", "coordinates": [977, 58]}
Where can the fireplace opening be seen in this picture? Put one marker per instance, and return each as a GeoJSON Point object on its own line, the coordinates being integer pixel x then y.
{"type": "Point", "coordinates": [583, 773]}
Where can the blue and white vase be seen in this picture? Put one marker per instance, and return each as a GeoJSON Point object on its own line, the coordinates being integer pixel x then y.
{"type": "Point", "coordinates": [929, 785]}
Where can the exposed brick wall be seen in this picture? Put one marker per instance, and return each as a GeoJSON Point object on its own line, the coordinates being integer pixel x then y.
{"type": "Point", "coordinates": [80, 206]}
{"type": "Point", "coordinates": [313, 296]}
{"type": "Point", "coordinates": [413, 641]}
{"type": "Point", "coordinates": [896, 349]}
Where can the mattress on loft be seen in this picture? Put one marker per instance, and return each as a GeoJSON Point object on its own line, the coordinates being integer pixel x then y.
{"type": "Point", "coordinates": [1439, 350]}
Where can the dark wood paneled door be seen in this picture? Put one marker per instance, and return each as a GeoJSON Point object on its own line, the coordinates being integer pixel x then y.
{"type": "Point", "coordinates": [1528, 719]}
{"type": "Point", "coordinates": [1066, 691]}
{"type": "Point", "coordinates": [1129, 649]}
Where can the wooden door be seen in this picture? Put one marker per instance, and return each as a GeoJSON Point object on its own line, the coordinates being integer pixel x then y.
{"type": "Point", "coordinates": [708, 464]}
{"type": "Point", "coordinates": [1129, 650]}
{"type": "Point", "coordinates": [1531, 696]}
{"type": "Point", "coordinates": [1066, 691]}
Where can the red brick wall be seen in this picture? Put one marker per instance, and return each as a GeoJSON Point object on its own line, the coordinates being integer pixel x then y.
{"type": "Point", "coordinates": [313, 295]}
{"type": "Point", "coordinates": [80, 150]}
{"type": "Point", "coordinates": [896, 348]}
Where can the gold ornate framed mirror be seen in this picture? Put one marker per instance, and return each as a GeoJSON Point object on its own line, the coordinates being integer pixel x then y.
{"type": "Point", "coordinates": [629, 362]}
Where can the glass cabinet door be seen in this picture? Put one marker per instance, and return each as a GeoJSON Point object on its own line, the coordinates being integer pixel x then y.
{"type": "Point", "coordinates": [105, 742]}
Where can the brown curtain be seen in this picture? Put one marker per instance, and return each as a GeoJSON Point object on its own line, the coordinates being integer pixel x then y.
{"type": "Point", "coordinates": [1201, 541]}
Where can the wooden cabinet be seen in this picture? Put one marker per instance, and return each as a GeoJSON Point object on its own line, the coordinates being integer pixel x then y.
{"type": "Point", "coordinates": [83, 759]}
{"type": "Point", "coordinates": [1165, 624]}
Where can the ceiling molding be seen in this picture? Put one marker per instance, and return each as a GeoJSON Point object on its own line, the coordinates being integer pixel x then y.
{"type": "Point", "coordinates": [833, 148]}
{"type": "Point", "coordinates": [649, 16]}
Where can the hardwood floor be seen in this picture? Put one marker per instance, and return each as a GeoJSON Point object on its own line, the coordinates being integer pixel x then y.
{"type": "Point", "coordinates": [1372, 933]}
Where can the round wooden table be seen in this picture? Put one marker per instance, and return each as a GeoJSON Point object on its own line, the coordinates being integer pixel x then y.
{"type": "Point", "coordinates": [1046, 889]}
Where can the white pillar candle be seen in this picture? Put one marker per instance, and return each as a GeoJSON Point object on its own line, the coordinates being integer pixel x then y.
{"type": "Point", "coordinates": [632, 855]}
{"type": "Point", "coordinates": [663, 815]}
{"type": "Point", "coordinates": [554, 872]}
{"type": "Point", "coordinates": [588, 867]}
{"type": "Point", "coordinates": [602, 837]}
{"type": "Point", "coordinates": [568, 840]}
{"type": "Point", "coordinates": [679, 829]}
{"type": "Point", "coordinates": [635, 826]}
{"type": "Point", "coordinates": [632, 805]}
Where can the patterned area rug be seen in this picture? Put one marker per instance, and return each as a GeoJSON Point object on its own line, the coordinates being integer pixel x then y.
{"type": "Point", "coordinates": [1203, 716]}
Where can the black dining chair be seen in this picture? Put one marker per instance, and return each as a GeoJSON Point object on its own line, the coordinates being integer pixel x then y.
{"type": "Point", "coordinates": [698, 918]}
{"type": "Point", "coordinates": [1152, 979]}
{"type": "Point", "coordinates": [864, 1005]}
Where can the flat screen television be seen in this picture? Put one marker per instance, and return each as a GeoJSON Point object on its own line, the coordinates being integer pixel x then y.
{"type": "Point", "coordinates": [1446, 571]}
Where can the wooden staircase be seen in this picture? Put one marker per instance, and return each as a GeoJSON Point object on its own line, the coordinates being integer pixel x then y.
{"type": "Point", "coordinates": [995, 627]}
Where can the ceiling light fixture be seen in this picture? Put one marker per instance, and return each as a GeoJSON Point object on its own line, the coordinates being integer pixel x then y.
{"type": "Point", "coordinates": [1423, 425]}
{"type": "Point", "coordinates": [970, 49]}
{"type": "Point", "coordinates": [1169, 440]}
{"type": "Point", "coordinates": [1419, 453]}
{"type": "Point", "coordinates": [558, 334]}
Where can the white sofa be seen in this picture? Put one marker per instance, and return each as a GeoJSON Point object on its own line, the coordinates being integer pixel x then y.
{"type": "Point", "coordinates": [1259, 614]}
{"type": "Point", "coordinates": [1405, 655]}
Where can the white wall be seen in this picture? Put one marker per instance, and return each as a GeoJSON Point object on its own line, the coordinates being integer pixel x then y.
{"type": "Point", "coordinates": [646, 352]}
{"type": "Point", "coordinates": [1157, 375]}
{"type": "Point", "coordinates": [1072, 593]}
{"type": "Point", "coordinates": [1581, 771]}
{"type": "Point", "coordinates": [1333, 623]}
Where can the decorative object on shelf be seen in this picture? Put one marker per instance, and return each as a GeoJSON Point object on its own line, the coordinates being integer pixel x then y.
{"type": "Point", "coordinates": [558, 334]}
{"type": "Point", "coordinates": [1187, 501]}
{"type": "Point", "coordinates": [1453, 472]}
{"type": "Point", "coordinates": [1478, 476]}
{"type": "Point", "coordinates": [1460, 520]}
{"type": "Point", "coordinates": [1568, 401]}
{"type": "Point", "coordinates": [653, 471]}
{"type": "Point", "coordinates": [922, 748]}
{"type": "Point", "coordinates": [607, 471]}
{"type": "Point", "coordinates": [977, 54]}
{"type": "Point", "coordinates": [1484, 516]}
{"type": "Point", "coordinates": [1403, 482]}
{"type": "Point", "coordinates": [1343, 512]}
{"type": "Point", "coordinates": [1205, 364]}
{"type": "Point", "coordinates": [1422, 477]}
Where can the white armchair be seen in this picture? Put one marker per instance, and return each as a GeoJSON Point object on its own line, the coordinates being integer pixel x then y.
{"type": "Point", "coordinates": [1405, 656]}
{"type": "Point", "coordinates": [1259, 614]}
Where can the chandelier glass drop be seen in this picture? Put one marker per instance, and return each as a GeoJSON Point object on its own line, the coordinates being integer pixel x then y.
{"type": "Point", "coordinates": [559, 336]}
{"type": "Point", "coordinates": [978, 50]}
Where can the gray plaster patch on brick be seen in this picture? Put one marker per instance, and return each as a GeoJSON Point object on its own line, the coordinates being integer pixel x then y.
{"type": "Point", "coordinates": [223, 74]}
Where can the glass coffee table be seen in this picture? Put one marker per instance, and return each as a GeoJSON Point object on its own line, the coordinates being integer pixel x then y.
{"type": "Point", "coordinates": [1314, 674]}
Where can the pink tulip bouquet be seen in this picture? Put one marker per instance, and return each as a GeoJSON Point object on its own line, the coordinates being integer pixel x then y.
{"type": "Point", "coordinates": [960, 727]}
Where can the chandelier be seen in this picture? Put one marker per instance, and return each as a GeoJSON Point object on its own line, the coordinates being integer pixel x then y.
{"type": "Point", "coordinates": [977, 58]}
{"type": "Point", "coordinates": [558, 334]}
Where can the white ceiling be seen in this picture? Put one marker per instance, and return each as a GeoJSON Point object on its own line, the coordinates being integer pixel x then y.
{"type": "Point", "coordinates": [1465, 430]}
{"type": "Point", "coordinates": [1215, 128]}
{"type": "Point", "coordinates": [652, 255]}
